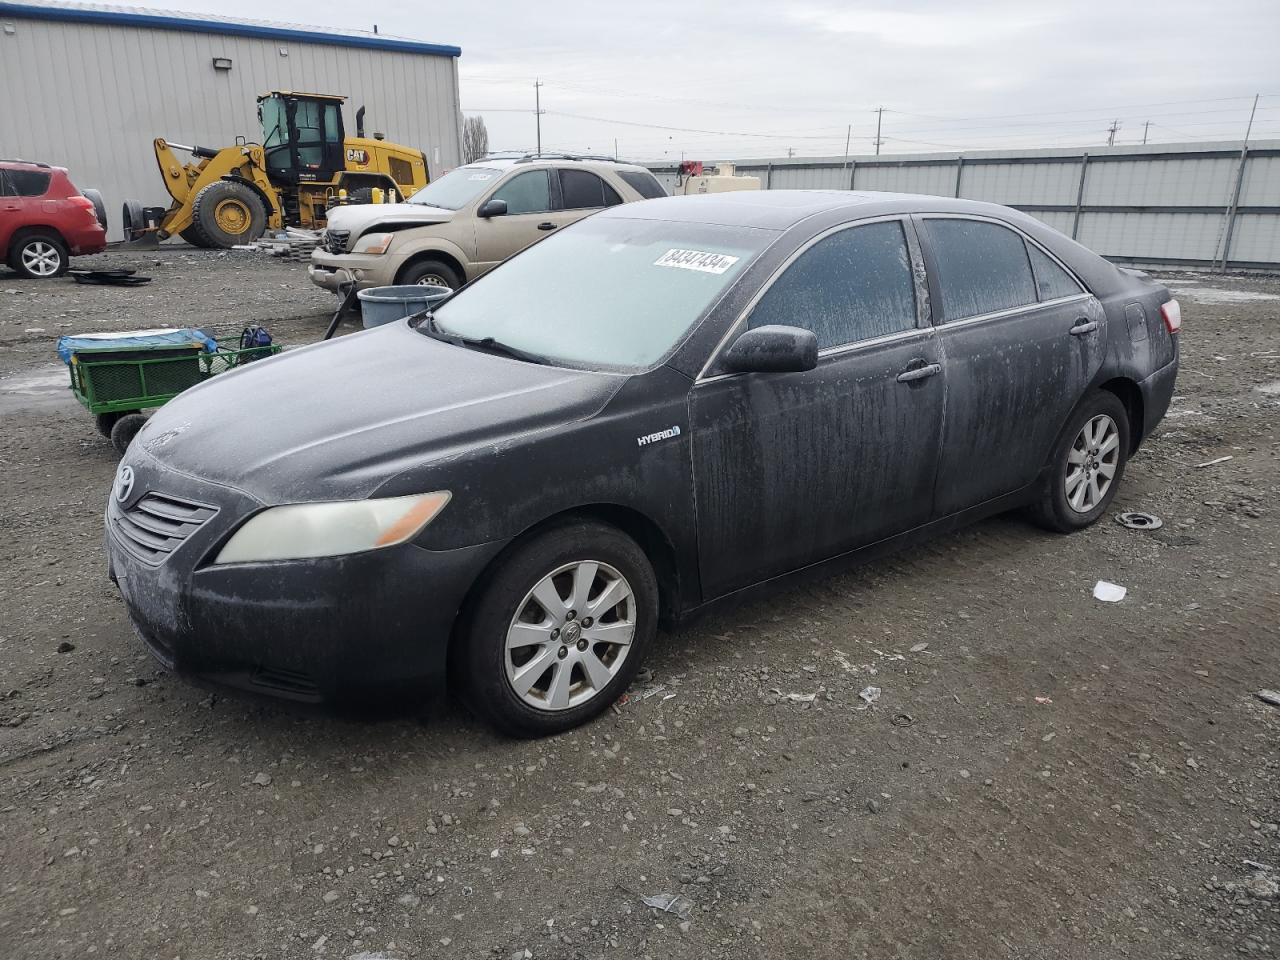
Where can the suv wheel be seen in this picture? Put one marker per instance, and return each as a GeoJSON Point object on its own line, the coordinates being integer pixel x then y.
{"type": "Point", "coordinates": [1086, 466]}
{"type": "Point", "coordinates": [39, 256]}
{"type": "Point", "coordinates": [430, 273]}
{"type": "Point", "coordinates": [560, 629]}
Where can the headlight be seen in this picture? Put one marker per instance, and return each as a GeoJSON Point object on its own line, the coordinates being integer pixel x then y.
{"type": "Point", "coordinates": [301, 530]}
{"type": "Point", "coordinates": [373, 243]}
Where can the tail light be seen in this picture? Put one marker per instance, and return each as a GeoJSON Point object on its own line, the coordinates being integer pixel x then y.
{"type": "Point", "coordinates": [1172, 313]}
{"type": "Point", "coordinates": [84, 203]}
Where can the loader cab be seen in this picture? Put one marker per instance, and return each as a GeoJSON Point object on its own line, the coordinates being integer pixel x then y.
{"type": "Point", "coordinates": [302, 136]}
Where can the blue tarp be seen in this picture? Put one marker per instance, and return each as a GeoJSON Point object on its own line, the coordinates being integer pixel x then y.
{"type": "Point", "coordinates": [133, 340]}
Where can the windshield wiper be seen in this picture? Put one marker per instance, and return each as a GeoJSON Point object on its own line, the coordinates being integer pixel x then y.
{"type": "Point", "coordinates": [431, 328]}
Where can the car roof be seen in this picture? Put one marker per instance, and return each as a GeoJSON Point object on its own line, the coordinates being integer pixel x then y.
{"type": "Point", "coordinates": [781, 209]}
{"type": "Point", "coordinates": [27, 163]}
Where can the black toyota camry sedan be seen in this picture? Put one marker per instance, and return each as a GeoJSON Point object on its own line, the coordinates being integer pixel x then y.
{"type": "Point", "coordinates": [661, 406]}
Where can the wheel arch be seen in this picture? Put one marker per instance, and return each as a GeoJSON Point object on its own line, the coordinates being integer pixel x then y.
{"type": "Point", "coordinates": [432, 253]}
{"type": "Point", "coordinates": [27, 229]}
{"type": "Point", "coordinates": [1129, 394]}
{"type": "Point", "coordinates": [657, 546]}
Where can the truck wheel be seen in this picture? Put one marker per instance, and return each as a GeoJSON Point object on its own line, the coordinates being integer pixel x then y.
{"type": "Point", "coordinates": [38, 255]}
{"type": "Point", "coordinates": [125, 429]}
{"type": "Point", "coordinates": [99, 208]}
{"type": "Point", "coordinates": [430, 273]}
{"type": "Point", "coordinates": [229, 213]}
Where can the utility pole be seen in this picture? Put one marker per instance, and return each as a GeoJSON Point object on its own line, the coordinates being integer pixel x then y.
{"type": "Point", "coordinates": [848, 133]}
{"type": "Point", "coordinates": [1145, 127]}
{"type": "Point", "coordinates": [615, 149]}
{"type": "Point", "coordinates": [537, 109]}
{"type": "Point", "coordinates": [791, 152]}
{"type": "Point", "coordinates": [1111, 133]}
{"type": "Point", "coordinates": [1235, 195]}
{"type": "Point", "coordinates": [879, 117]}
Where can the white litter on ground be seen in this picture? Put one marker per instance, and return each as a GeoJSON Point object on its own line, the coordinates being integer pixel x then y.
{"type": "Point", "coordinates": [1109, 592]}
{"type": "Point", "coordinates": [1215, 295]}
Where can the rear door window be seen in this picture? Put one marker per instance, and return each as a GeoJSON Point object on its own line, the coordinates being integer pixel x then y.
{"type": "Point", "coordinates": [853, 285]}
{"type": "Point", "coordinates": [645, 184]}
{"type": "Point", "coordinates": [982, 267]}
{"type": "Point", "coordinates": [1052, 281]}
{"type": "Point", "coordinates": [26, 183]}
{"type": "Point", "coordinates": [582, 190]}
{"type": "Point", "coordinates": [528, 192]}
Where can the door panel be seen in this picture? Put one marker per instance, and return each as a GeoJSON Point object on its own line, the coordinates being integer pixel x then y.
{"type": "Point", "coordinates": [1011, 383]}
{"type": "Point", "coordinates": [531, 215]}
{"type": "Point", "coordinates": [793, 468]}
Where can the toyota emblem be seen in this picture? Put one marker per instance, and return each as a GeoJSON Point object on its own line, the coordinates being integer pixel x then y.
{"type": "Point", "coordinates": [124, 484]}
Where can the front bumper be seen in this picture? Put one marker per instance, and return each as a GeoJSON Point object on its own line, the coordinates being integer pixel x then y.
{"type": "Point", "coordinates": [334, 630]}
{"type": "Point", "coordinates": [331, 271]}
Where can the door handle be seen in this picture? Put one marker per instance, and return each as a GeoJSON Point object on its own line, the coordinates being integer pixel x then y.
{"type": "Point", "coordinates": [1084, 327]}
{"type": "Point", "coordinates": [547, 225]}
{"type": "Point", "coordinates": [919, 373]}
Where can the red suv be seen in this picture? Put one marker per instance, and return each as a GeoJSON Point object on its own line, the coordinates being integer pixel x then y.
{"type": "Point", "coordinates": [44, 219]}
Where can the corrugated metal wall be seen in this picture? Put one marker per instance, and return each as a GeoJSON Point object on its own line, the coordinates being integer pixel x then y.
{"type": "Point", "coordinates": [92, 97]}
{"type": "Point", "coordinates": [1157, 205]}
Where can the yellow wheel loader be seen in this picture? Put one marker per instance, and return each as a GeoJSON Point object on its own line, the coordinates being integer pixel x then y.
{"type": "Point", "coordinates": [304, 165]}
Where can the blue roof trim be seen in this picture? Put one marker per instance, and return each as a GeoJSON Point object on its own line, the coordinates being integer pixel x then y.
{"type": "Point", "coordinates": [158, 22]}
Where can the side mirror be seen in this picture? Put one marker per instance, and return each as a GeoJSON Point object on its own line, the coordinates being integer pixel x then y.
{"type": "Point", "coordinates": [773, 349]}
{"type": "Point", "coordinates": [492, 208]}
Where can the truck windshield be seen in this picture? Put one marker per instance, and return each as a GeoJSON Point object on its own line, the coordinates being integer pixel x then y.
{"type": "Point", "coordinates": [607, 293]}
{"type": "Point", "coordinates": [457, 188]}
{"type": "Point", "coordinates": [274, 123]}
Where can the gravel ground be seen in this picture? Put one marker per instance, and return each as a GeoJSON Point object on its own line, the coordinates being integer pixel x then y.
{"type": "Point", "coordinates": [1044, 775]}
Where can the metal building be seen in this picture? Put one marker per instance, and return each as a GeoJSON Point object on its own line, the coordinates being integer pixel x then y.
{"type": "Point", "coordinates": [88, 87]}
{"type": "Point", "coordinates": [1159, 205]}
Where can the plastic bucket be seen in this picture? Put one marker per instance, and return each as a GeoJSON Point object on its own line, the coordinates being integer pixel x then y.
{"type": "Point", "coordinates": [379, 305]}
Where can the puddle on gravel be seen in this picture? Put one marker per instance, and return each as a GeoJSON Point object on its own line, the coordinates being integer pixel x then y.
{"type": "Point", "coordinates": [41, 389]}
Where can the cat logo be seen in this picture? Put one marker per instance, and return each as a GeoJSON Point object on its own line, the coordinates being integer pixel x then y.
{"type": "Point", "coordinates": [358, 156]}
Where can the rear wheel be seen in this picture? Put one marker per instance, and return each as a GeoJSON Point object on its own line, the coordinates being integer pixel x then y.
{"type": "Point", "coordinates": [105, 421]}
{"type": "Point", "coordinates": [39, 255]}
{"type": "Point", "coordinates": [228, 213]}
{"type": "Point", "coordinates": [430, 273]}
{"type": "Point", "coordinates": [560, 629]}
{"type": "Point", "coordinates": [1087, 465]}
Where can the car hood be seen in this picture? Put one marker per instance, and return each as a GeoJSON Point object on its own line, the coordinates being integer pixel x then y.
{"type": "Point", "coordinates": [358, 217]}
{"type": "Point", "coordinates": [338, 419]}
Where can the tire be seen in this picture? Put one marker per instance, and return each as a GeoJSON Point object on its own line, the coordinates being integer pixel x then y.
{"type": "Point", "coordinates": [554, 665]}
{"type": "Point", "coordinates": [228, 213]}
{"type": "Point", "coordinates": [133, 219]}
{"type": "Point", "coordinates": [105, 421]}
{"type": "Point", "coordinates": [195, 236]}
{"type": "Point", "coordinates": [125, 429]}
{"type": "Point", "coordinates": [39, 255]}
{"type": "Point", "coordinates": [430, 272]}
{"type": "Point", "coordinates": [1076, 489]}
{"type": "Point", "coordinates": [99, 208]}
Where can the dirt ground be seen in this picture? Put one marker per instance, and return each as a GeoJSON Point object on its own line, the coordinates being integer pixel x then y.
{"type": "Point", "coordinates": [1051, 776]}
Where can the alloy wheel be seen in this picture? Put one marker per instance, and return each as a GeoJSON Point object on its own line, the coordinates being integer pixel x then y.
{"type": "Point", "coordinates": [1091, 463]}
{"type": "Point", "coordinates": [41, 259]}
{"type": "Point", "coordinates": [431, 280]}
{"type": "Point", "coordinates": [570, 635]}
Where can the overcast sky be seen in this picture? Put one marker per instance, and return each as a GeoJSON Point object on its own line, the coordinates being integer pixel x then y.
{"type": "Point", "coordinates": [756, 78]}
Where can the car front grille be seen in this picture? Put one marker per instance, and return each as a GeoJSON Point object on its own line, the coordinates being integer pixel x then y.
{"type": "Point", "coordinates": [335, 241]}
{"type": "Point", "coordinates": [158, 524]}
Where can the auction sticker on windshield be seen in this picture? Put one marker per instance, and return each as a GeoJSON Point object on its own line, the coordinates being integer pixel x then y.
{"type": "Point", "coordinates": [696, 260]}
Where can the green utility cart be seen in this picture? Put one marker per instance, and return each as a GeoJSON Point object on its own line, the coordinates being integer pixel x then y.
{"type": "Point", "coordinates": [118, 375]}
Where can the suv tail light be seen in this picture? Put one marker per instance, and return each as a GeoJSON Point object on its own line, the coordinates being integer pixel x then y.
{"type": "Point", "coordinates": [85, 204]}
{"type": "Point", "coordinates": [1172, 313]}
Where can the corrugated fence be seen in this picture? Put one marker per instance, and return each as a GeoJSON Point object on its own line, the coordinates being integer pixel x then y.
{"type": "Point", "coordinates": [1195, 205]}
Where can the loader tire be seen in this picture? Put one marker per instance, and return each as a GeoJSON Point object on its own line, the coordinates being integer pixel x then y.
{"type": "Point", "coordinates": [195, 236]}
{"type": "Point", "coordinates": [228, 213]}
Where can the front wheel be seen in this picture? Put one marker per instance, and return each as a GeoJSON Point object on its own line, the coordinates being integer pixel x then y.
{"type": "Point", "coordinates": [430, 273]}
{"type": "Point", "coordinates": [560, 629]}
{"type": "Point", "coordinates": [1087, 465]}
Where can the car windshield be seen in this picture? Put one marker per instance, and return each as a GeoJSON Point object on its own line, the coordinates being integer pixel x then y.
{"type": "Point", "coordinates": [609, 293]}
{"type": "Point", "coordinates": [457, 188]}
